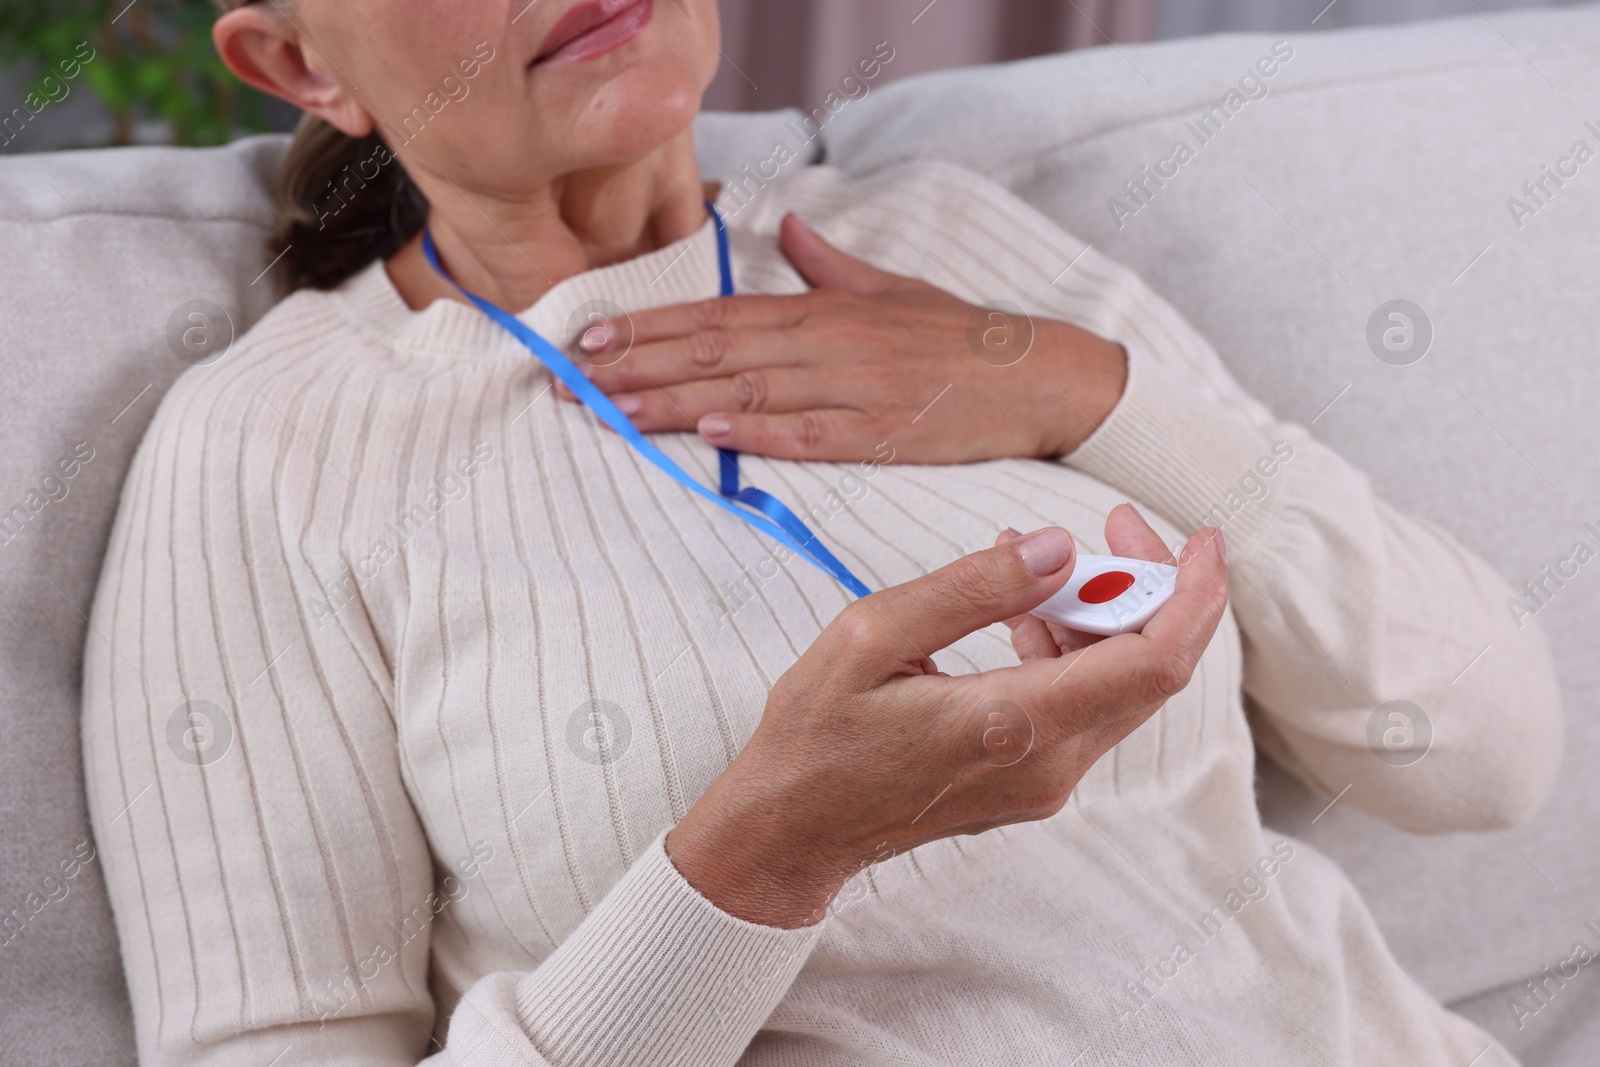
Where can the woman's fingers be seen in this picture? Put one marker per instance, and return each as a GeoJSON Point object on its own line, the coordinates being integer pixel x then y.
{"type": "Point", "coordinates": [826, 267]}
{"type": "Point", "coordinates": [801, 420]}
{"type": "Point", "coordinates": [1069, 640]}
{"type": "Point", "coordinates": [1187, 621]}
{"type": "Point", "coordinates": [715, 353]}
{"type": "Point", "coordinates": [722, 336]}
{"type": "Point", "coordinates": [823, 435]}
{"type": "Point", "coordinates": [1131, 672]}
{"type": "Point", "coordinates": [1032, 637]}
{"type": "Point", "coordinates": [1130, 536]}
{"type": "Point", "coordinates": [681, 320]}
{"type": "Point", "coordinates": [908, 623]}
{"type": "Point", "coordinates": [680, 407]}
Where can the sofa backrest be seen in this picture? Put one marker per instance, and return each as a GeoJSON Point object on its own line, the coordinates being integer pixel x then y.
{"type": "Point", "coordinates": [106, 253]}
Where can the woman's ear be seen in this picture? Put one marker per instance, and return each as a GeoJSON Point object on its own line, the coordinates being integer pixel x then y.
{"type": "Point", "coordinates": [265, 49]}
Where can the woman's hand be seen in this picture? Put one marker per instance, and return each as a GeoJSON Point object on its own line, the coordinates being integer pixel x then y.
{"type": "Point", "coordinates": [865, 357]}
{"type": "Point", "coordinates": [866, 750]}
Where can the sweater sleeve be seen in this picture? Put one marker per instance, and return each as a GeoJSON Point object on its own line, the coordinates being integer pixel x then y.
{"type": "Point", "coordinates": [1380, 661]}
{"type": "Point", "coordinates": [271, 881]}
{"type": "Point", "coordinates": [1346, 605]}
{"type": "Point", "coordinates": [1380, 658]}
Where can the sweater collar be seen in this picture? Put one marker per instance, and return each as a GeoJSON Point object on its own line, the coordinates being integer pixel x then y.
{"type": "Point", "coordinates": [450, 331]}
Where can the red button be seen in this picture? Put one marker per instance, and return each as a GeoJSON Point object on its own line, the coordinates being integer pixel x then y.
{"type": "Point", "coordinates": [1104, 588]}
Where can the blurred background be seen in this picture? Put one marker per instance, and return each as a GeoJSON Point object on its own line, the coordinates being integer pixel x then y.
{"type": "Point", "coordinates": [154, 77]}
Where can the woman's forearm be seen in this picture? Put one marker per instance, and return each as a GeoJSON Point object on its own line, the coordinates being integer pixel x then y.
{"type": "Point", "coordinates": [742, 850]}
{"type": "Point", "coordinates": [1081, 379]}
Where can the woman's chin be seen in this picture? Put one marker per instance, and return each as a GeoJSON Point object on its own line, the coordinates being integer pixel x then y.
{"type": "Point", "coordinates": [635, 114]}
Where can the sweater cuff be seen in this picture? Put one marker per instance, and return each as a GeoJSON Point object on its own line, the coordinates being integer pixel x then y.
{"type": "Point", "coordinates": [1193, 460]}
{"type": "Point", "coordinates": [657, 974]}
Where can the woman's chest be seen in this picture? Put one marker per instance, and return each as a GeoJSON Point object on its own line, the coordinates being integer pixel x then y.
{"type": "Point", "coordinates": [582, 645]}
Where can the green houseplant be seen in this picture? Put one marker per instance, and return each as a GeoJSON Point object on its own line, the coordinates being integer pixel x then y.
{"type": "Point", "coordinates": [152, 61]}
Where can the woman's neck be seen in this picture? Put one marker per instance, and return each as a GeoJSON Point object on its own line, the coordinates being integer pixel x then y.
{"type": "Point", "coordinates": [513, 250]}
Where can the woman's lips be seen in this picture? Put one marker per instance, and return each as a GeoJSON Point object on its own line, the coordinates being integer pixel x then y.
{"type": "Point", "coordinates": [593, 29]}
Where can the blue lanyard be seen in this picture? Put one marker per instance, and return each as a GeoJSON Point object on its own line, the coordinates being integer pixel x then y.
{"type": "Point", "coordinates": [761, 510]}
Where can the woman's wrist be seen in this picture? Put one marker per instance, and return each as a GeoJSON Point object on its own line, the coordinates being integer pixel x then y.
{"type": "Point", "coordinates": [742, 849]}
{"type": "Point", "coordinates": [1087, 376]}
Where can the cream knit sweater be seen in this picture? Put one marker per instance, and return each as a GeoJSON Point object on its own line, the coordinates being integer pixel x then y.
{"type": "Point", "coordinates": [401, 668]}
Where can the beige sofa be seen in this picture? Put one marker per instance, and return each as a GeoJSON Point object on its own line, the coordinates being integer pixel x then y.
{"type": "Point", "coordinates": [1370, 166]}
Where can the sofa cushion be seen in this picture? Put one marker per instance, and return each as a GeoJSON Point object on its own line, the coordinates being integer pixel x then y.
{"type": "Point", "coordinates": [1367, 167]}
{"type": "Point", "coordinates": [105, 248]}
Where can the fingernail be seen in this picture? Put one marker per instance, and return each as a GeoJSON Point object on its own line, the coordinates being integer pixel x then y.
{"type": "Point", "coordinates": [1222, 547]}
{"type": "Point", "coordinates": [1136, 511]}
{"type": "Point", "coordinates": [629, 405]}
{"type": "Point", "coordinates": [597, 336]}
{"type": "Point", "coordinates": [1045, 552]}
{"type": "Point", "coordinates": [1013, 531]}
{"type": "Point", "coordinates": [716, 425]}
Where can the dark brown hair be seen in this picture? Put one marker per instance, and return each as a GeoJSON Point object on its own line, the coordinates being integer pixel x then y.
{"type": "Point", "coordinates": [341, 202]}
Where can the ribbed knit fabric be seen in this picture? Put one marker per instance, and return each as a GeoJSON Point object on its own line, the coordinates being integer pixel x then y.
{"type": "Point", "coordinates": [401, 668]}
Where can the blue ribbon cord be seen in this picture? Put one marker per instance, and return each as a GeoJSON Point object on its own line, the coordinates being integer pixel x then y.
{"type": "Point", "coordinates": [761, 510]}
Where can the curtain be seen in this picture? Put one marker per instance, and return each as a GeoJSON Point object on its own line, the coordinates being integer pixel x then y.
{"type": "Point", "coordinates": [794, 53]}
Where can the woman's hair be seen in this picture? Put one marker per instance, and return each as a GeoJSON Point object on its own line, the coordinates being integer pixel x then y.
{"type": "Point", "coordinates": [341, 202]}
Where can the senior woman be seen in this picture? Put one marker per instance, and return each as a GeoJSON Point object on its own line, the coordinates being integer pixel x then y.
{"type": "Point", "coordinates": [434, 720]}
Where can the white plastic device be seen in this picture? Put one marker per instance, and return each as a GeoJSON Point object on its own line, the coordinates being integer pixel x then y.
{"type": "Point", "coordinates": [1109, 595]}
